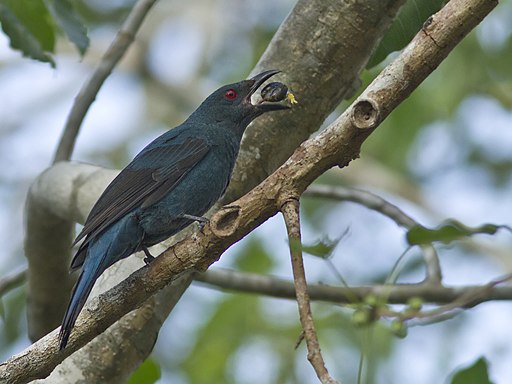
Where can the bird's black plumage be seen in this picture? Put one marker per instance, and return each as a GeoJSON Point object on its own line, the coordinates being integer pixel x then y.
{"type": "Point", "coordinates": [179, 175]}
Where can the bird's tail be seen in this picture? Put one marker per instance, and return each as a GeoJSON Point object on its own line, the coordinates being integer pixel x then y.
{"type": "Point", "coordinates": [90, 272]}
{"type": "Point", "coordinates": [119, 241]}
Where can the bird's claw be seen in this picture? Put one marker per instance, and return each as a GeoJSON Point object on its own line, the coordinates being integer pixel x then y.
{"type": "Point", "coordinates": [149, 257]}
{"type": "Point", "coordinates": [202, 221]}
{"type": "Point", "coordinates": [202, 224]}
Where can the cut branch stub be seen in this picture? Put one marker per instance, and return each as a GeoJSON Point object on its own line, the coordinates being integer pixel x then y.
{"type": "Point", "coordinates": [365, 114]}
{"type": "Point", "coordinates": [225, 222]}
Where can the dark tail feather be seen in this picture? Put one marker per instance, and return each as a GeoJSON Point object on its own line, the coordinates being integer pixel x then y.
{"type": "Point", "coordinates": [117, 242]}
{"type": "Point", "coordinates": [79, 296]}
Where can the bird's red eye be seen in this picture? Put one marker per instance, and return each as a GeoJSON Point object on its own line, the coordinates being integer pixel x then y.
{"type": "Point", "coordinates": [230, 94]}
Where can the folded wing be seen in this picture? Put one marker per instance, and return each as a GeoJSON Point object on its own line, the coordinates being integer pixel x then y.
{"type": "Point", "coordinates": [157, 172]}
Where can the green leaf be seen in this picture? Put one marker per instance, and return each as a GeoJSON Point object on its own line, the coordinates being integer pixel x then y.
{"type": "Point", "coordinates": [67, 19]}
{"type": "Point", "coordinates": [36, 20]}
{"type": "Point", "coordinates": [407, 24]}
{"type": "Point", "coordinates": [29, 37]}
{"type": "Point", "coordinates": [147, 373]}
{"type": "Point", "coordinates": [475, 374]}
{"type": "Point", "coordinates": [322, 248]}
{"type": "Point", "coordinates": [449, 231]}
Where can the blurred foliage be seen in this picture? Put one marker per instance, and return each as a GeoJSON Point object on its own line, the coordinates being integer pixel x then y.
{"type": "Point", "coordinates": [32, 26]}
{"type": "Point", "coordinates": [12, 316]}
{"type": "Point", "coordinates": [439, 97]}
{"type": "Point", "coordinates": [255, 259]}
{"type": "Point", "coordinates": [28, 28]}
{"type": "Point", "coordinates": [474, 374]}
{"type": "Point", "coordinates": [449, 231]}
{"type": "Point", "coordinates": [101, 13]}
{"type": "Point", "coordinates": [65, 16]}
{"type": "Point", "coordinates": [147, 373]}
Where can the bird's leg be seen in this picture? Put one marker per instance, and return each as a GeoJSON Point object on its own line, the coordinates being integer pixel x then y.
{"type": "Point", "coordinates": [149, 257]}
{"type": "Point", "coordinates": [201, 220]}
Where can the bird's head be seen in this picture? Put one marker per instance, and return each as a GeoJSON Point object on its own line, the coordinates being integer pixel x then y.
{"type": "Point", "coordinates": [231, 104]}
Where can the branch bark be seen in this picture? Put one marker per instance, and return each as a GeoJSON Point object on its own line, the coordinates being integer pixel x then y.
{"type": "Point", "coordinates": [290, 211]}
{"type": "Point", "coordinates": [114, 355]}
{"type": "Point", "coordinates": [51, 214]}
{"type": "Point", "coordinates": [237, 281]}
{"type": "Point", "coordinates": [337, 145]}
{"type": "Point", "coordinates": [321, 48]}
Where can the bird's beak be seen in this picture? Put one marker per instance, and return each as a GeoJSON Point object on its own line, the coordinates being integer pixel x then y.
{"type": "Point", "coordinates": [258, 80]}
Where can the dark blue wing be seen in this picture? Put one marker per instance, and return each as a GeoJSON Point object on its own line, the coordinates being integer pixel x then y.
{"type": "Point", "coordinates": [147, 179]}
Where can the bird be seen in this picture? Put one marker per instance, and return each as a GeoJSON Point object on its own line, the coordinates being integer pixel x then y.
{"type": "Point", "coordinates": [169, 185]}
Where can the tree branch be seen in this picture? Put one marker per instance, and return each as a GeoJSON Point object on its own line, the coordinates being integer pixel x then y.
{"type": "Point", "coordinates": [90, 89]}
{"type": "Point", "coordinates": [290, 211]}
{"type": "Point", "coordinates": [392, 294]}
{"type": "Point", "coordinates": [321, 49]}
{"type": "Point", "coordinates": [337, 145]}
{"type": "Point", "coordinates": [114, 355]}
{"type": "Point", "coordinates": [51, 214]}
{"type": "Point", "coordinates": [12, 281]}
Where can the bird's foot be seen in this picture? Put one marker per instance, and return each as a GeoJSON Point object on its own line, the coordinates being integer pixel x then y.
{"type": "Point", "coordinates": [149, 257]}
{"type": "Point", "coordinates": [202, 221]}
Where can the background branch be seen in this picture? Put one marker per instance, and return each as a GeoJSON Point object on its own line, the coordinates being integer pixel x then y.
{"type": "Point", "coordinates": [91, 87]}
{"type": "Point", "coordinates": [393, 294]}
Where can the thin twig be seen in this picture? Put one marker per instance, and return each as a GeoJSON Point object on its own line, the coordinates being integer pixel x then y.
{"type": "Point", "coordinates": [290, 212]}
{"type": "Point", "coordinates": [90, 89]}
{"type": "Point", "coordinates": [10, 282]}
{"type": "Point", "coordinates": [378, 204]}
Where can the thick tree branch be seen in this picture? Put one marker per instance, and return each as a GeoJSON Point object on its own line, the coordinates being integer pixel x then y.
{"type": "Point", "coordinates": [290, 211]}
{"type": "Point", "coordinates": [90, 89]}
{"type": "Point", "coordinates": [114, 355]}
{"type": "Point", "coordinates": [337, 145]}
{"type": "Point", "coordinates": [321, 48]}
{"type": "Point", "coordinates": [51, 214]}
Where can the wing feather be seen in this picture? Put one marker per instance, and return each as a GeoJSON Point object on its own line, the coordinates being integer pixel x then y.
{"type": "Point", "coordinates": [146, 180]}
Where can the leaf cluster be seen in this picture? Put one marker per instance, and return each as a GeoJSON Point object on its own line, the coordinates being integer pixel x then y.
{"type": "Point", "coordinates": [33, 26]}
